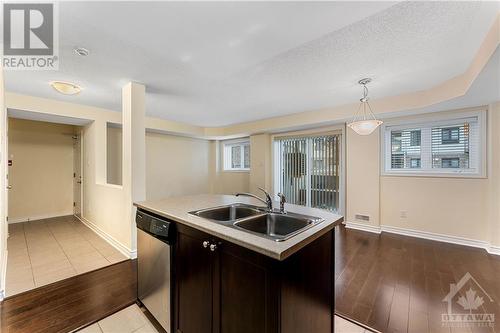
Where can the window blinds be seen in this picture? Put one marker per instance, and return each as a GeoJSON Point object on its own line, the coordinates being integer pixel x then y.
{"type": "Point", "coordinates": [309, 170]}
{"type": "Point", "coordinates": [448, 146]}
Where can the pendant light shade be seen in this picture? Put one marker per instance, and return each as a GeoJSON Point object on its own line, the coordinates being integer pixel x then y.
{"type": "Point", "coordinates": [364, 121]}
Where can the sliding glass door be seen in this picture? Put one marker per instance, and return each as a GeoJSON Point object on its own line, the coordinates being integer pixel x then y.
{"type": "Point", "coordinates": [307, 170]}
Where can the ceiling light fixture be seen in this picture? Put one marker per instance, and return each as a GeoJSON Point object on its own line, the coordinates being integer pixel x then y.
{"type": "Point", "coordinates": [66, 88]}
{"type": "Point", "coordinates": [81, 51]}
{"type": "Point", "coordinates": [364, 121]}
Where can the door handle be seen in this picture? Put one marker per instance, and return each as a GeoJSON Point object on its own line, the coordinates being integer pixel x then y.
{"type": "Point", "coordinates": [9, 187]}
{"type": "Point", "coordinates": [206, 244]}
{"type": "Point", "coordinates": [78, 181]}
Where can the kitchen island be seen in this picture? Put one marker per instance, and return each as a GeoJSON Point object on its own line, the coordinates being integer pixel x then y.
{"type": "Point", "coordinates": [230, 280]}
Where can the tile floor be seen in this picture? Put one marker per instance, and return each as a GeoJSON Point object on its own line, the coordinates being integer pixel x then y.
{"type": "Point", "coordinates": [133, 320]}
{"type": "Point", "coordinates": [45, 251]}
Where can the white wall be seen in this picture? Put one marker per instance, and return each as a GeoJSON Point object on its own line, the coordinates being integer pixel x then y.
{"type": "Point", "coordinates": [42, 171]}
{"type": "Point", "coordinates": [176, 165]}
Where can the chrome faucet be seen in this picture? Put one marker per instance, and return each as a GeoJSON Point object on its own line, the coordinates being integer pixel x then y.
{"type": "Point", "coordinates": [268, 201]}
{"type": "Point", "coordinates": [282, 203]}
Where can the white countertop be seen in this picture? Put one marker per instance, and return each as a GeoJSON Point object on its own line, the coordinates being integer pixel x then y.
{"type": "Point", "coordinates": [178, 208]}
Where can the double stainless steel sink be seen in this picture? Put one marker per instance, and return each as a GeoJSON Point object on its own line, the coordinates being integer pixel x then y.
{"type": "Point", "coordinates": [257, 220]}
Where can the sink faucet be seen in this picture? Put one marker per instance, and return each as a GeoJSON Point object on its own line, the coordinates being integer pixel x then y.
{"type": "Point", "coordinates": [268, 201]}
{"type": "Point", "coordinates": [282, 203]}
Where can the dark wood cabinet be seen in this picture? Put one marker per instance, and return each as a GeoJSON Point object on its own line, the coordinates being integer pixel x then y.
{"type": "Point", "coordinates": [230, 289]}
{"type": "Point", "coordinates": [194, 283]}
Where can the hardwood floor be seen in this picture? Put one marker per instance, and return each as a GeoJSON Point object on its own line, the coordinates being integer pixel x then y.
{"type": "Point", "coordinates": [68, 304]}
{"type": "Point", "coordinates": [395, 283]}
{"type": "Point", "coordinates": [388, 282]}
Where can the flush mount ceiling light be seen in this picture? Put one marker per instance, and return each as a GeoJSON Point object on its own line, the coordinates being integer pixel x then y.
{"type": "Point", "coordinates": [364, 121]}
{"type": "Point", "coordinates": [81, 51]}
{"type": "Point", "coordinates": [66, 88]}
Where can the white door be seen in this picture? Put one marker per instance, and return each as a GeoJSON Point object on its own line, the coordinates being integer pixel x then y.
{"type": "Point", "coordinates": [77, 175]}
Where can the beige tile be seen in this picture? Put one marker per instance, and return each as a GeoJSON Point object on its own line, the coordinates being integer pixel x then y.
{"type": "Point", "coordinates": [18, 275]}
{"type": "Point", "coordinates": [53, 276]}
{"type": "Point", "coordinates": [43, 246]}
{"type": "Point", "coordinates": [16, 227]}
{"type": "Point", "coordinates": [114, 258]}
{"type": "Point", "coordinates": [13, 288]}
{"type": "Point", "coordinates": [46, 258]}
{"type": "Point", "coordinates": [78, 249]}
{"type": "Point", "coordinates": [83, 267]}
{"type": "Point", "coordinates": [52, 267]}
{"type": "Point", "coordinates": [344, 326]}
{"type": "Point", "coordinates": [91, 329]}
{"type": "Point", "coordinates": [14, 253]}
{"type": "Point", "coordinates": [148, 328]}
{"type": "Point", "coordinates": [106, 250]}
{"type": "Point", "coordinates": [126, 321]}
{"type": "Point", "coordinates": [18, 262]}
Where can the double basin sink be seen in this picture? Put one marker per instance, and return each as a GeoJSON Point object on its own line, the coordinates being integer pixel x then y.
{"type": "Point", "coordinates": [256, 220]}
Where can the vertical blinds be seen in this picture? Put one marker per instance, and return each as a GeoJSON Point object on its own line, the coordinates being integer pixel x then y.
{"type": "Point", "coordinates": [309, 170]}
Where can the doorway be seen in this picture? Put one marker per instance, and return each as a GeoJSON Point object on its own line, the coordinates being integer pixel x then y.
{"type": "Point", "coordinates": [77, 174]}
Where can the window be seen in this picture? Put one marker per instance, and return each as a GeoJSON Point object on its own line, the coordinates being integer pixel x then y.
{"type": "Point", "coordinates": [237, 155]}
{"type": "Point", "coordinates": [449, 135]}
{"type": "Point", "coordinates": [307, 170]}
{"type": "Point", "coordinates": [447, 162]}
{"type": "Point", "coordinates": [445, 146]}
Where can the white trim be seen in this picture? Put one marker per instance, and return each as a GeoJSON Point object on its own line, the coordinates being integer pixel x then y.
{"type": "Point", "coordinates": [491, 249]}
{"type": "Point", "coordinates": [227, 154]}
{"type": "Point", "coordinates": [129, 253]}
{"type": "Point", "coordinates": [436, 237]}
{"type": "Point", "coordinates": [39, 217]}
{"type": "Point", "coordinates": [4, 274]}
{"type": "Point", "coordinates": [363, 227]}
{"type": "Point", "coordinates": [494, 250]}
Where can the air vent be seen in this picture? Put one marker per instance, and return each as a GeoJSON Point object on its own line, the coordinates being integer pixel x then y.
{"type": "Point", "coordinates": [361, 217]}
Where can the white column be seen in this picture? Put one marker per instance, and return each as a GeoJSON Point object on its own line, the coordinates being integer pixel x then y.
{"type": "Point", "coordinates": [134, 150]}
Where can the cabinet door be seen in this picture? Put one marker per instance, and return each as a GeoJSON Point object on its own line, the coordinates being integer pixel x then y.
{"type": "Point", "coordinates": [194, 284]}
{"type": "Point", "coordinates": [248, 302]}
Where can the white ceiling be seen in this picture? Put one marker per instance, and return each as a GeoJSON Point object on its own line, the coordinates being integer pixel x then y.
{"type": "Point", "coordinates": [219, 63]}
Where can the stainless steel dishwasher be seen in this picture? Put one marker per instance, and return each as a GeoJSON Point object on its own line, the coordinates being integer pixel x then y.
{"type": "Point", "coordinates": [155, 236]}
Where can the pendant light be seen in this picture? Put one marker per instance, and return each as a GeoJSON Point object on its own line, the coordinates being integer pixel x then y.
{"type": "Point", "coordinates": [364, 121]}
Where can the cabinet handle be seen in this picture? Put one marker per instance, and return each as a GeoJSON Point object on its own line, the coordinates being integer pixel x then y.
{"type": "Point", "coordinates": [205, 244]}
{"type": "Point", "coordinates": [213, 247]}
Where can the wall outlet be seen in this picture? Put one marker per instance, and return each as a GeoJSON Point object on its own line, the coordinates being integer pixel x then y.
{"type": "Point", "coordinates": [403, 214]}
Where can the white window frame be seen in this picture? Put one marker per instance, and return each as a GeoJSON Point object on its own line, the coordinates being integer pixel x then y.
{"type": "Point", "coordinates": [226, 154]}
{"type": "Point", "coordinates": [427, 121]}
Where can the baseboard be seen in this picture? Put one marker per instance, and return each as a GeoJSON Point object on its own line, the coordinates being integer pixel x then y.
{"type": "Point", "coordinates": [38, 217]}
{"type": "Point", "coordinates": [363, 227]}
{"type": "Point", "coordinates": [132, 254]}
{"type": "Point", "coordinates": [492, 249]}
{"type": "Point", "coordinates": [4, 274]}
{"type": "Point", "coordinates": [442, 238]}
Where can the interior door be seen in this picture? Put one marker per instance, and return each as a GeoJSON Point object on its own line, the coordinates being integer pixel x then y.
{"type": "Point", "coordinates": [77, 175]}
